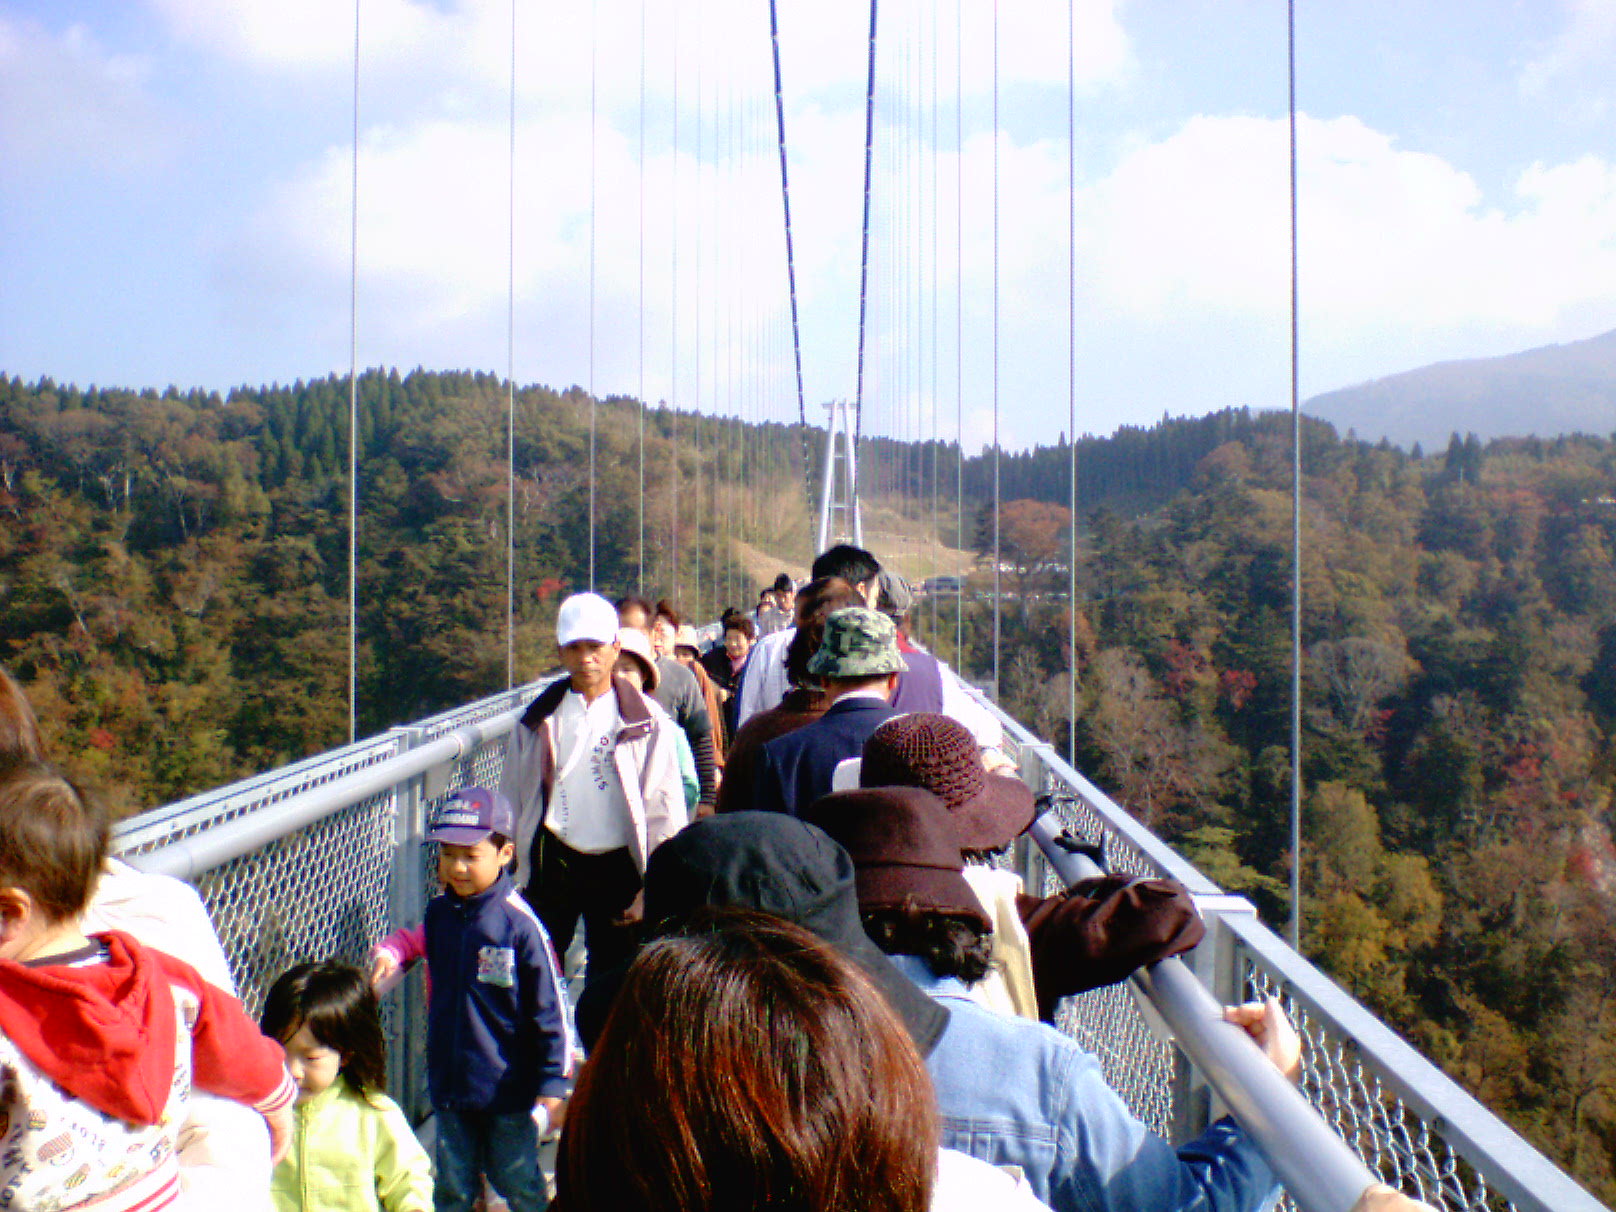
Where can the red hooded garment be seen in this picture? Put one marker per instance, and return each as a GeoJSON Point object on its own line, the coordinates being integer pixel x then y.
{"type": "Point", "coordinates": [97, 1063]}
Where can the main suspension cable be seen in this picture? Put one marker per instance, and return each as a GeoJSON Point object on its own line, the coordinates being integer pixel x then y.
{"type": "Point", "coordinates": [1071, 363]}
{"type": "Point", "coordinates": [640, 158]}
{"type": "Point", "coordinates": [594, 57]}
{"type": "Point", "coordinates": [1296, 524]}
{"type": "Point", "coordinates": [791, 256]}
{"type": "Point", "coordinates": [997, 577]}
{"type": "Point", "coordinates": [864, 255]}
{"type": "Point", "coordinates": [510, 384]}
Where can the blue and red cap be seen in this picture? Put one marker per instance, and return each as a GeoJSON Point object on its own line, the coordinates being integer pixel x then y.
{"type": "Point", "coordinates": [470, 815]}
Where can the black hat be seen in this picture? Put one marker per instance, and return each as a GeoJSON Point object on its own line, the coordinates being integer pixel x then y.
{"type": "Point", "coordinates": [776, 864]}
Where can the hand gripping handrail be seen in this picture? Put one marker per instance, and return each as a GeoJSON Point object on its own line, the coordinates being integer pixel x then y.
{"type": "Point", "coordinates": [1315, 1165]}
{"type": "Point", "coordinates": [189, 857]}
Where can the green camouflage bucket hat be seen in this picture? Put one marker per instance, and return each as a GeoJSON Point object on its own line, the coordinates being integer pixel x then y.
{"type": "Point", "coordinates": [859, 643]}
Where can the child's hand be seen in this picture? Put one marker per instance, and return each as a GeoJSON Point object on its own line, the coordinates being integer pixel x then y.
{"type": "Point", "coordinates": [280, 1133]}
{"type": "Point", "coordinates": [383, 967]}
{"type": "Point", "coordinates": [1266, 1023]}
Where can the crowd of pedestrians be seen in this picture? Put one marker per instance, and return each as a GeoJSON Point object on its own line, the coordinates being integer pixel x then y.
{"type": "Point", "coordinates": [807, 984]}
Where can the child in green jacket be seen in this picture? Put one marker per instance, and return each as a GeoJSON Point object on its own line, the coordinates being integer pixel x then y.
{"type": "Point", "coordinates": [353, 1150]}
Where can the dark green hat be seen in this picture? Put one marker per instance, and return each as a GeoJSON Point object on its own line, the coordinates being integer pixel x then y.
{"type": "Point", "coordinates": [859, 643]}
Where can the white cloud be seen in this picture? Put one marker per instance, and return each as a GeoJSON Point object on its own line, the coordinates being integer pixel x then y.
{"type": "Point", "coordinates": [1587, 41]}
{"type": "Point", "coordinates": [1182, 267]}
{"type": "Point", "coordinates": [66, 99]}
{"type": "Point", "coordinates": [1183, 271]}
{"type": "Point", "coordinates": [1389, 237]}
{"type": "Point", "coordinates": [301, 35]}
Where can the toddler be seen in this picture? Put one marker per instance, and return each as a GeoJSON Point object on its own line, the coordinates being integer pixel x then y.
{"type": "Point", "coordinates": [352, 1149]}
{"type": "Point", "coordinates": [101, 1039]}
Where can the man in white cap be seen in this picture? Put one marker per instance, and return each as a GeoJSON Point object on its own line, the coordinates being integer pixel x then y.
{"type": "Point", "coordinates": [596, 788]}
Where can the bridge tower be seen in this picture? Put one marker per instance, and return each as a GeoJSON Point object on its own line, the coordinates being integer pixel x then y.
{"type": "Point", "coordinates": [839, 518]}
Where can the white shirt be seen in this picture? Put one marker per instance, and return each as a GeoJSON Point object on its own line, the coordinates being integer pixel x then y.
{"type": "Point", "coordinates": [966, 1184]}
{"type": "Point", "coordinates": [765, 683]}
{"type": "Point", "coordinates": [588, 810]}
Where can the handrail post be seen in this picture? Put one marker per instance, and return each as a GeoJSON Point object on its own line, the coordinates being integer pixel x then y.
{"type": "Point", "coordinates": [1034, 771]}
{"type": "Point", "coordinates": [405, 899]}
{"type": "Point", "coordinates": [1214, 961]}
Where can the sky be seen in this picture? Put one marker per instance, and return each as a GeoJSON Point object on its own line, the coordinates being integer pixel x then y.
{"type": "Point", "coordinates": [177, 198]}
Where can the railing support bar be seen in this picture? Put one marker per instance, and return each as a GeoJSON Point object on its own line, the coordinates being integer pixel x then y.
{"type": "Point", "coordinates": [1315, 1165]}
{"type": "Point", "coordinates": [189, 857]}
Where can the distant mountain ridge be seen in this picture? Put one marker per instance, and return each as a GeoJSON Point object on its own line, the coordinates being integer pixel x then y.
{"type": "Point", "coordinates": [1552, 390]}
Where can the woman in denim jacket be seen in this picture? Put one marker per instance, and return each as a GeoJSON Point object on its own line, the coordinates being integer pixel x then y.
{"type": "Point", "coordinates": [1013, 1092]}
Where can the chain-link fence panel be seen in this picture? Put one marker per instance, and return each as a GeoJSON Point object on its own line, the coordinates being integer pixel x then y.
{"type": "Point", "coordinates": [335, 887]}
{"type": "Point", "coordinates": [332, 887]}
{"type": "Point", "coordinates": [319, 893]}
{"type": "Point", "coordinates": [1405, 1150]}
{"type": "Point", "coordinates": [174, 822]}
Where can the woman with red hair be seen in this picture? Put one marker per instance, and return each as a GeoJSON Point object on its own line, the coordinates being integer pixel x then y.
{"type": "Point", "coordinates": [747, 1066]}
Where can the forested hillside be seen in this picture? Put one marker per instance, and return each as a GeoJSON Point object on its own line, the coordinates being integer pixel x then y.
{"type": "Point", "coordinates": [1459, 707]}
{"type": "Point", "coordinates": [173, 568]}
{"type": "Point", "coordinates": [173, 593]}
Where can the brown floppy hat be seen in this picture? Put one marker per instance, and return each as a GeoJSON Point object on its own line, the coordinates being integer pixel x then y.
{"type": "Point", "coordinates": [938, 753]}
{"type": "Point", "coordinates": [904, 849]}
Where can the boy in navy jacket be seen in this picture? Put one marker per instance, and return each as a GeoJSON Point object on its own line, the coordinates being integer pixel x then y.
{"type": "Point", "coordinates": [499, 1030]}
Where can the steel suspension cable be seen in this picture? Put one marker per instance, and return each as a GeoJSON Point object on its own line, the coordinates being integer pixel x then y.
{"type": "Point", "coordinates": [640, 301]}
{"type": "Point", "coordinates": [1296, 523]}
{"type": "Point", "coordinates": [673, 374]}
{"type": "Point", "coordinates": [959, 323]}
{"type": "Point", "coordinates": [1071, 365]}
{"type": "Point", "coordinates": [353, 410]}
{"type": "Point", "coordinates": [510, 384]}
{"type": "Point", "coordinates": [997, 597]}
{"type": "Point", "coordinates": [864, 255]}
{"type": "Point", "coordinates": [696, 413]}
{"type": "Point", "coordinates": [936, 544]}
{"type": "Point", "coordinates": [791, 257]}
{"type": "Point", "coordinates": [594, 58]}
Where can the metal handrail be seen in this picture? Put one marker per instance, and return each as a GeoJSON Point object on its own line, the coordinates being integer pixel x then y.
{"type": "Point", "coordinates": [189, 857]}
{"type": "Point", "coordinates": [1315, 1165]}
{"type": "Point", "coordinates": [1509, 1164]}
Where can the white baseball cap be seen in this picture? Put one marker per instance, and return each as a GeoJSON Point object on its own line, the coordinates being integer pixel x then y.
{"type": "Point", "coordinates": [586, 616]}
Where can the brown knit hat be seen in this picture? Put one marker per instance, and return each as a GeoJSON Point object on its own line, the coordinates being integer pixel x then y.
{"type": "Point", "coordinates": [939, 754]}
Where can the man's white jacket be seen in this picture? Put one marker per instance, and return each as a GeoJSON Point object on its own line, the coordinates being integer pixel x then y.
{"type": "Point", "coordinates": [644, 755]}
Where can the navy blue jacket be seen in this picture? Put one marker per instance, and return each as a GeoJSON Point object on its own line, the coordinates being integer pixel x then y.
{"type": "Point", "coordinates": [498, 1028]}
{"type": "Point", "coordinates": [794, 770]}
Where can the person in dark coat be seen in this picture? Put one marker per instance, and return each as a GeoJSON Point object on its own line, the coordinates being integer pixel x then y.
{"type": "Point", "coordinates": [803, 704]}
{"type": "Point", "coordinates": [859, 664]}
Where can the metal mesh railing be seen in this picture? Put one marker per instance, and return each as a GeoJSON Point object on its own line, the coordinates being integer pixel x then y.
{"type": "Point", "coordinates": [333, 887]}
{"type": "Point", "coordinates": [1412, 1125]}
{"type": "Point", "coordinates": [1405, 1150]}
{"type": "Point", "coordinates": [1109, 1022]}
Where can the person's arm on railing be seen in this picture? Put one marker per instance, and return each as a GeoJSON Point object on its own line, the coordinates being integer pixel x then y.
{"type": "Point", "coordinates": [1316, 1166]}
{"type": "Point", "coordinates": [1103, 929]}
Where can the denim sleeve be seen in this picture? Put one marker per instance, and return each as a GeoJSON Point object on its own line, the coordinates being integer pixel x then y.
{"type": "Point", "coordinates": [1110, 1162]}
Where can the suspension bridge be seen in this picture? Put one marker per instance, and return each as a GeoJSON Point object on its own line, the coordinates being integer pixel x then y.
{"type": "Point", "coordinates": [327, 855]}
